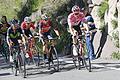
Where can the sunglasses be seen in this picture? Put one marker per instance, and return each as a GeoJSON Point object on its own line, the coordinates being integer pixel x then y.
{"type": "Point", "coordinates": [76, 13]}
{"type": "Point", "coordinates": [76, 10]}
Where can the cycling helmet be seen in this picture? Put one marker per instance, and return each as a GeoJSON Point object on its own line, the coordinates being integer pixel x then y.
{"type": "Point", "coordinates": [14, 21]}
{"type": "Point", "coordinates": [27, 19]}
{"type": "Point", "coordinates": [44, 16]}
{"type": "Point", "coordinates": [75, 8]}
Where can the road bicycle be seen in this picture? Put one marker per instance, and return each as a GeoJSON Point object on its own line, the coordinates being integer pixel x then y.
{"type": "Point", "coordinates": [19, 63]}
{"type": "Point", "coordinates": [81, 54]}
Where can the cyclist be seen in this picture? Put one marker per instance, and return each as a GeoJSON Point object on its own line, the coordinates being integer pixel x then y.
{"type": "Point", "coordinates": [27, 28]}
{"type": "Point", "coordinates": [3, 32]}
{"type": "Point", "coordinates": [4, 26]}
{"type": "Point", "coordinates": [45, 26]}
{"type": "Point", "coordinates": [14, 34]}
{"type": "Point", "coordinates": [75, 19]}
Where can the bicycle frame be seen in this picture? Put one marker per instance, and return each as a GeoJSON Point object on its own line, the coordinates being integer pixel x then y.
{"type": "Point", "coordinates": [19, 59]}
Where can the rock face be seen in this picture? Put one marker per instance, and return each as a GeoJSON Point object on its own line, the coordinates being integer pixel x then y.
{"type": "Point", "coordinates": [103, 43]}
{"type": "Point", "coordinates": [111, 14]}
{"type": "Point", "coordinates": [118, 8]}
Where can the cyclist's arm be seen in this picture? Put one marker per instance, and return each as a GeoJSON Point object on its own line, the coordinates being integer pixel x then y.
{"type": "Point", "coordinates": [40, 29]}
{"type": "Point", "coordinates": [70, 26]}
{"type": "Point", "coordinates": [9, 42]}
{"type": "Point", "coordinates": [55, 28]}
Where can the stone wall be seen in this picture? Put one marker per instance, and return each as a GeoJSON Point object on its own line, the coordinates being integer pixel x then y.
{"type": "Point", "coordinates": [113, 13]}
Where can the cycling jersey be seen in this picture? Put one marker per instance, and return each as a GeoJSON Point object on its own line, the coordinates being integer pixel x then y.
{"type": "Point", "coordinates": [26, 30]}
{"type": "Point", "coordinates": [3, 28]}
{"type": "Point", "coordinates": [45, 25]}
{"type": "Point", "coordinates": [24, 25]}
{"type": "Point", "coordinates": [73, 19]}
{"type": "Point", "coordinates": [14, 36]}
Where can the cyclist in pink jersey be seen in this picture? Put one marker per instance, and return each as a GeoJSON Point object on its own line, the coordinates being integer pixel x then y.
{"type": "Point", "coordinates": [74, 21]}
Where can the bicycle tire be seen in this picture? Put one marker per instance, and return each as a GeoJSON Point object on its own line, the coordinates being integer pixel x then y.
{"type": "Point", "coordinates": [53, 51]}
{"type": "Point", "coordinates": [14, 65]}
{"type": "Point", "coordinates": [56, 54]}
{"type": "Point", "coordinates": [22, 64]}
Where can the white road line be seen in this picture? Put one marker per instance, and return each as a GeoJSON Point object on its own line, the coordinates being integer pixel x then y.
{"type": "Point", "coordinates": [113, 68]}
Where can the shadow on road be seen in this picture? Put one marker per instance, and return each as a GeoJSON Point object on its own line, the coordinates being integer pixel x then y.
{"type": "Point", "coordinates": [103, 40]}
{"type": "Point", "coordinates": [4, 74]}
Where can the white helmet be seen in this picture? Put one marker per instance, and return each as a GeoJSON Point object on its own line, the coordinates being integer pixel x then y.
{"type": "Point", "coordinates": [27, 19]}
{"type": "Point", "coordinates": [44, 16]}
{"type": "Point", "coordinates": [75, 8]}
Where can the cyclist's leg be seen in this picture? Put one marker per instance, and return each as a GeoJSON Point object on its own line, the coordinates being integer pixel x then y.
{"type": "Point", "coordinates": [45, 46]}
{"type": "Point", "coordinates": [45, 50]}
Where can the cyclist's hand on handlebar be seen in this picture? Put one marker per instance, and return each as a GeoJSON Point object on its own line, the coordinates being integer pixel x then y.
{"type": "Point", "coordinates": [41, 35]}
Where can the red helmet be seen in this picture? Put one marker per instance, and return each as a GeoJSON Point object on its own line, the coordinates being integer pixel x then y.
{"type": "Point", "coordinates": [75, 8]}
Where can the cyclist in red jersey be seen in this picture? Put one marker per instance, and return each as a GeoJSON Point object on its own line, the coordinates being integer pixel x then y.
{"type": "Point", "coordinates": [45, 26]}
{"type": "Point", "coordinates": [27, 28]}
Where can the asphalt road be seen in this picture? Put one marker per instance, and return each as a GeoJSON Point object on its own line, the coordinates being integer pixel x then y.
{"type": "Point", "coordinates": [101, 70]}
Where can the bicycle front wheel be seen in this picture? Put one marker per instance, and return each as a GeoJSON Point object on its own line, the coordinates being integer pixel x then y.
{"type": "Point", "coordinates": [22, 64]}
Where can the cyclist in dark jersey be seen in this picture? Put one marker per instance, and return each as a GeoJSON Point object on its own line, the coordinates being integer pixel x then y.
{"type": "Point", "coordinates": [14, 34]}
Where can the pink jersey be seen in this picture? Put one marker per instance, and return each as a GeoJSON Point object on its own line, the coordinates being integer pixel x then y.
{"type": "Point", "coordinates": [75, 20]}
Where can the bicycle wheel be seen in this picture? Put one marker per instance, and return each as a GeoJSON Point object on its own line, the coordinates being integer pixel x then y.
{"type": "Point", "coordinates": [75, 55]}
{"type": "Point", "coordinates": [53, 58]}
{"type": "Point", "coordinates": [22, 64]}
{"type": "Point", "coordinates": [14, 64]}
{"type": "Point", "coordinates": [56, 55]}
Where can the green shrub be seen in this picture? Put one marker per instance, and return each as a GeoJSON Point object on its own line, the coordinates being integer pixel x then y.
{"type": "Point", "coordinates": [114, 24]}
{"type": "Point", "coordinates": [116, 55]}
{"type": "Point", "coordinates": [36, 4]}
{"type": "Point", "coordinates": [104, 6]}
{"type": "Point", "coordinates": [102, 25]}
{"type": "Point", "coordinates": [116, 38]}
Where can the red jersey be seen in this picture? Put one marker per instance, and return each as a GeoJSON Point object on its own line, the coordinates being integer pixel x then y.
{"type": "Point", "coordinates": [73, 20]}
{"type": "Point", "coordinates": [45, 25]}
{"type": "Point", "coordinates": [24, 25]}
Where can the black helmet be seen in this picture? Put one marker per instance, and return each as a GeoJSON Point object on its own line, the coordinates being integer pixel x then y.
{"type": "Point", "coordinates": [14, 21]}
